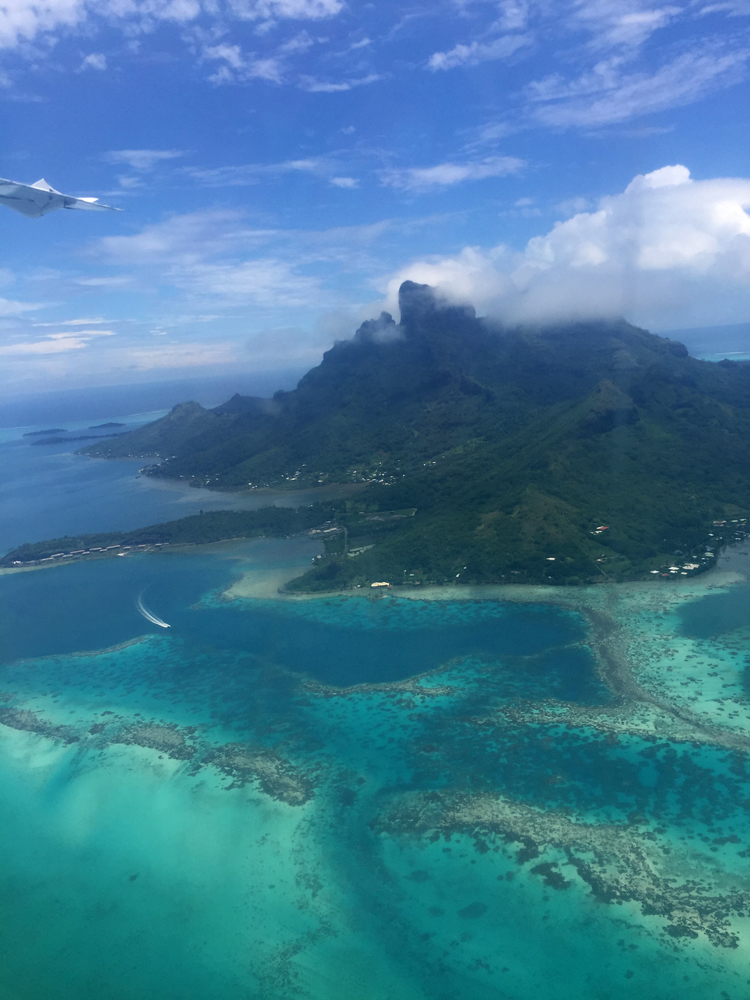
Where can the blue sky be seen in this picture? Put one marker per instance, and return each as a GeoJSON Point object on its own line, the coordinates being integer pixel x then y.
{"type": "Point", "coordinates": [284, 164]}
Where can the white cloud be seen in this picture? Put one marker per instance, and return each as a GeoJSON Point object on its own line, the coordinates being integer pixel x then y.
{"type": "Point", "coordinates": [609, 94]}
{"type": "Point", "coordinates": [74, 322]}
{"type": "Point", "coordinates": [300, 43]}
{"type": "Point", "coordinates": [514, 15]}
{"type": "Point", "coordinates": [668, 252]}
{"type": "Point", "coordinates": [179, 239]}
{"type": "Point", "coordinates": [345, 182]}
{"type": "Point", "coordinates": [116, 281]}
{"type": "Point", "coordinates": [190, 354]}
{"type": "Point", "coordinates": [141, 159]}
{"type": "Point", "coordinates": [572, 206]}
{"type": "Point", "coordinates": [85, 334]}
{"type": "Point", "coordinates": [265, 281]}
{"type": "Point", "coordinates": [297, 10]}
{"type": "Point", "coordinates": [237, 66]}
{"type": "Point", "coordinates": [363, 43]}
{"type": "Point", "coordinates": [57, 346]}
{"type": "Point", "coordinates": [95, 60]}
{"type": "Point", "coordinates": [629, 25]}
{"type": "Point", "coordinates": [314, 86]}
{"type": "Point", "coordinates": [447, 174]}
{"type": "Point", "coordinates": [214, 255]}
{"type": "Point", "coordinates": [251, 173]}
{"type": "Point", "coordinates": [54, 343]}
{"type": "Point", "coordinates": [213, 261]}
{"type": "Point", "coordinates": [607, 65]}
{"type": "Point", "coordinates": [734, 8]}
{"type": "Point", "coordinates": [10, 308]}
{"type": "Point", "coordinates": [478, 52]}
{"type": "Point", "coordinates": [23, 21]}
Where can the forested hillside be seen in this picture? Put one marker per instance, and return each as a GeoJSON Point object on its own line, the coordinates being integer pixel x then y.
{"type": "Point", "coordinates": [515, 446]}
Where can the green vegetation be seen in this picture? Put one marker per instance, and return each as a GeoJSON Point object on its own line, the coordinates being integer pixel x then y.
{"type": "Point", "coordinates": [213, 526]}
{"type": "Point", "coordinates": [513, 445]}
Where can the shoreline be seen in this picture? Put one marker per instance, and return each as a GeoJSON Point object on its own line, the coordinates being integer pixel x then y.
{"type": "Point", "coordinates": [639, 707]}
{"type": "Point", "coordinates": [647, 695]}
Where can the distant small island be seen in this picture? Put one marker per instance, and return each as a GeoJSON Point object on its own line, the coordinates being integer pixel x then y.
{"type": "Point", "coordinates": [100, 427]}
{"type": "Point", "coordinates": [51, 430]}
{"type": "Point", "coordinates": [77, 437]}
{"type": "Point", "coordinates": [569, 454]}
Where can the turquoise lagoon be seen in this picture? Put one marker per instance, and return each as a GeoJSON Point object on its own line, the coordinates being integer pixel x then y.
{"type": "Point", "coordinates": [520, 796]}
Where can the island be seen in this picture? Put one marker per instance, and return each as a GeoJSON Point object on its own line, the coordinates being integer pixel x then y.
{"type": "Point", "coordinates": [569, 454]}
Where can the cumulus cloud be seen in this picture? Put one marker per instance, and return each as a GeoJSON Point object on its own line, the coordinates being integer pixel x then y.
{"type": "Point", "coordinates": [667, 252]}
{"type": "Point", "coordinates": [444, 175]}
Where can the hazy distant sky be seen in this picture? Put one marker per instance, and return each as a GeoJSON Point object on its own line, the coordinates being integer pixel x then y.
{"type": "Point", "coordinates": [283, 164]}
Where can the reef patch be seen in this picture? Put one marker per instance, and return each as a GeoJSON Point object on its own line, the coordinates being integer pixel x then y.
{"type": "Point", "coordinates": [619, 863]}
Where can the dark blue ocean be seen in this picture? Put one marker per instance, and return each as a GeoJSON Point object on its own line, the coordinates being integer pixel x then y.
{"type": "Point", "coordinates": [351, 797]}
{"type": "Point", "coordinates": [47, 490]}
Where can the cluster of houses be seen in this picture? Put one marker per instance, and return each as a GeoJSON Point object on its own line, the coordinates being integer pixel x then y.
{"type": "Point", "coordinates": [94, 551]}
{"type": "Point", "coordinates": [731, 530]}
{"type": "Point", "coordinates": [734, 530]}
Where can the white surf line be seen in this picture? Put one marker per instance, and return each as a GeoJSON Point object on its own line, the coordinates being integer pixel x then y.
{"type": "Point", "coordinates": [147, 614]}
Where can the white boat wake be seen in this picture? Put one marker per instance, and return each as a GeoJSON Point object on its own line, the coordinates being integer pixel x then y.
{"type": "Point", "coordinates": [147, 614]}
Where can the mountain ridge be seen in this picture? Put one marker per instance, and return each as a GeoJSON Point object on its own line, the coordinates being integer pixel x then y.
{"type": "Point", "coordinates": [513, 444]}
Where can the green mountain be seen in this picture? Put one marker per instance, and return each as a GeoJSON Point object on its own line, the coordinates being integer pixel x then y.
{"type": "Point", "coordinates": [514, 445]}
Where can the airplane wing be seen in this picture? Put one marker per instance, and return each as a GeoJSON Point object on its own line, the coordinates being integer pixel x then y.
{"type": "Point", "coordinates": [88, 204]}
{"type": "Point", "coordinates": [29, 201]}
{"type": "Point", "coordinates": [40, 198]}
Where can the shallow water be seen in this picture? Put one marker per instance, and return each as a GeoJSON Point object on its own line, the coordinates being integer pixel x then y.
{"type": "Point", "coordinates": [356, 797]}
{"type": "Point", "coordinates": [235, 807]}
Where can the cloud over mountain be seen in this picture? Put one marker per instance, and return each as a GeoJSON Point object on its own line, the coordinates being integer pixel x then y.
{"type": "Point", "coordinates": [667, 251]}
